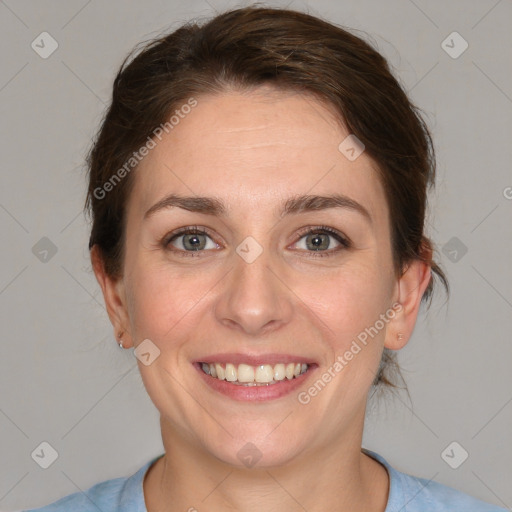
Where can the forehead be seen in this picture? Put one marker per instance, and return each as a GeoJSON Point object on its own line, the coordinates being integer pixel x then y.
{"type": "Point", "coordinates": [254, 149]}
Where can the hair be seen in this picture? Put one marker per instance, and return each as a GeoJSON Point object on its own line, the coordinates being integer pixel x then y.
{"type": "Point", "coordinates": [240, 50]}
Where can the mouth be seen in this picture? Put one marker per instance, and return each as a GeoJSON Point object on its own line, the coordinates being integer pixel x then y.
{"type": "Point", "coordinates": [248, 375]}
{"type": "Point", "coordinates": [251, 379]}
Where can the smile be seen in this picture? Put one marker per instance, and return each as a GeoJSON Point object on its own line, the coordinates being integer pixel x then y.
{"type": "Point", "coordinates": [261, 375]}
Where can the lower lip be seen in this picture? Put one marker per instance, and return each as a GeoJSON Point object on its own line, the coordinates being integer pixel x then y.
{"type": "Point", "coordinates": [255, 393]}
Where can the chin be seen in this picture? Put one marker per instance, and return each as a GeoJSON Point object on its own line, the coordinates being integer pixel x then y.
{"type": "Point", "coordinates": [257, 447]}
{"type": "Point", "coordinates": [255, 455]}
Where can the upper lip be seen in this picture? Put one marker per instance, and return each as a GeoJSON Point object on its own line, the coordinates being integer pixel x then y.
{"type": "Point", "coordinates": [254, 359]}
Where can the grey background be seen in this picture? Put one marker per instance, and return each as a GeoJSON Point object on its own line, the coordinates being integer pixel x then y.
{"type": "Point", "coordinates": [63, 379]}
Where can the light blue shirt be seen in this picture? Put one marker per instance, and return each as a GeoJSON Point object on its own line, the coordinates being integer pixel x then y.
{"type": "Point", "coordinates": [406, 494]}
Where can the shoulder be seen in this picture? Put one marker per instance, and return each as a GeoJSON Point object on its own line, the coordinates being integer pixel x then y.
{"type": "Point", "coordinates": [124, 493]}
{"type": "Point", "coordinates": [103, 496]}
{"type": "Point", "coordinates": [420, 494]}
{"type": "Point", "coordinates": [409, 493]}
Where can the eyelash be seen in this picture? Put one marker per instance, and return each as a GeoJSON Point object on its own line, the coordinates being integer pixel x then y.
{"type": "Point", "coordinates": [195, 230]}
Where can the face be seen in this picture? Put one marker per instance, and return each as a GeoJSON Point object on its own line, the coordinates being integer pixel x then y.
{"type": "Point", "coordinates": [264, 283]}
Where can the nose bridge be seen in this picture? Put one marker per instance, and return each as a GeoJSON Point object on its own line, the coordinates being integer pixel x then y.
{"type": "Point", "coordinates": [253, 297]}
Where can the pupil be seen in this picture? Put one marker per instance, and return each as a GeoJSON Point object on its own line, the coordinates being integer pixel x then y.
{"type": "Point", "coordinates": [317, 240]}
{"type": "Point", "coordinates": [194, 241]}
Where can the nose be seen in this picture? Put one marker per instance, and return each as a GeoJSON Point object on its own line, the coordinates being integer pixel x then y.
{"type": "Point", "coordinates": [255, 298]}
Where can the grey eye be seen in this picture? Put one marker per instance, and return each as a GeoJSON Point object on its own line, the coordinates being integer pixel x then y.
{"type": "Point", "coordinates": [192, 241]}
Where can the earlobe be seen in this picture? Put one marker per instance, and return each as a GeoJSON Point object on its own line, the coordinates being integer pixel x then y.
{"type": "Point", "coordinates": [411, 287]}
{"type": "Point", "coordinates": [113, 295]}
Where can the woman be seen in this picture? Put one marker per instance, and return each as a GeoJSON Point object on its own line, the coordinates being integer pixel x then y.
{"type": "Point", "coordinates": [258, 191]}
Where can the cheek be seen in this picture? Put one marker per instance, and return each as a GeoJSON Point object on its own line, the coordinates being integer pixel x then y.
{"type": "Point", "coordinates": [159, 300]}
{"type": "Point", "coordinates": [350, 306]}
{"type": "Point", "coordinates": [167, 301]}
{"type": "Point", "coordinates": [347, 300]}
{"type": "Point", "coordinates": [352, 298]}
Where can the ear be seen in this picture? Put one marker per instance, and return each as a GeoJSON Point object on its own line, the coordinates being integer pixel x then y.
{"type": "Point", "coordinates": [114, 296]}
{"type": "Point", "coordinates": [411, 286]}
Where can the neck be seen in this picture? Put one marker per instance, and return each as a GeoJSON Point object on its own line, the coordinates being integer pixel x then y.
{"type": "Point", "coordinates": [338, 477]}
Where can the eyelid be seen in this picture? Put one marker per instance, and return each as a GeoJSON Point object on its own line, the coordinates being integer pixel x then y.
{"type": "Point", "coordinates": [168, 237]}
{"type": "Point", "coordinates": [331, 231]}
{"type": "Point", "coordinates": [344, 241]}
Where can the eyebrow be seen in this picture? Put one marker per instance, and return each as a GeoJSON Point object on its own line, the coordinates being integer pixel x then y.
{"type": "Point", "coordinates": [294, 205]}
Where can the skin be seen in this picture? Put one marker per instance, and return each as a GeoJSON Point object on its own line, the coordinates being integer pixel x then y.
{"type": "Point", "coordinates": [234, 146]}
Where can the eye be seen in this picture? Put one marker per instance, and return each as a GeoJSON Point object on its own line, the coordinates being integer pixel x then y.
{"type": "Point", "coordinates": [192, 241]}
{"type": "Point", "coordinates": [317, 241]}
{"type": "Point", "coordinates": [188, 241]}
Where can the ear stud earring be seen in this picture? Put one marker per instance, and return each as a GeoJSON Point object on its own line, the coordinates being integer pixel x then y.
{"type": "Point", "coordinates": [120, 340]}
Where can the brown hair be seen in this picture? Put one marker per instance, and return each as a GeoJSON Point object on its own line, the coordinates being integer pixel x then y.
{"type": "Point", "coordinates": [290, 50]}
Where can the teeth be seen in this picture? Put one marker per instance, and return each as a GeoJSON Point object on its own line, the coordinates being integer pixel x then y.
{"type": "Point", "coordinates": [264, 373]}
{"type": "Point", "coordinates": [279, 372]}
{"type": "Point", "coordinates": [247, 375]}
{"type": "Point", "coordinates": [231, 375]}
{"type": "Point", "coordinates": [221, 373]}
